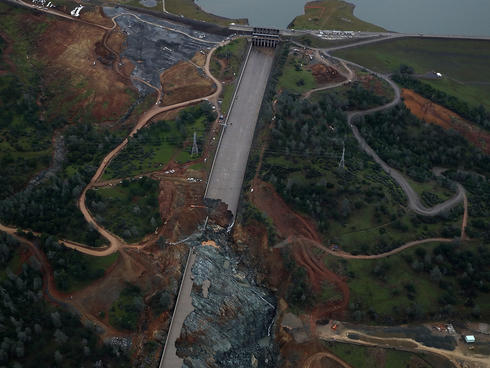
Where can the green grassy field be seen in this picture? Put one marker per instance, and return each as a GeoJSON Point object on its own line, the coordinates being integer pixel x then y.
{"type": "Point", "coordinates": [95, 265]}
{"type": "Point", "coordinates": [189, 9]}
{"type": "Point", "coordinates": [160, 142]}
{"type": "Point", "coordinates": [130, 210]}
{"type": "Point", "coordinates": [295, 77]}
{"type": "Point", "coordinates": [462, 62]}
{"type": "Point", "coordinates": [331, 14]}
{"type": "Point", "coordinates": [422, 282]}
{"type": "Point", "coordinates": [227, 95]}
{"type": "Point", "coordinates": [369, 357]}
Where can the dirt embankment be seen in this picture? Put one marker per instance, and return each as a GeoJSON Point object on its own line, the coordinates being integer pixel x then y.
{"type": "Point", "coordinates": [74, 52]}
{"type": "Point", "coordinates": [324, 74]}
{"type": "Point", "coordinates": [288, 223]}
{"type": "Point", "coordinates": [184, 82]}
{"type": "Point", "coordinates": [445, 118]}
{"type": "Point", "coordinates": [294, 227]}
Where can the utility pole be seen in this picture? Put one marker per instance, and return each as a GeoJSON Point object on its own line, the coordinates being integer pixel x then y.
{"type": "Point", "coordinates": [195, 150]}
{"type": "Point", "coordinates": [342, 160]}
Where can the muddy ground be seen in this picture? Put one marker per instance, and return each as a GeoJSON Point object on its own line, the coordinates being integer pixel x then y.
{"type": "Point", "coordinates": [74, 52]}
{"type": "Point", "coordinates": [184, 81]}
{"type": "Point", "coordinates": [324, 74]}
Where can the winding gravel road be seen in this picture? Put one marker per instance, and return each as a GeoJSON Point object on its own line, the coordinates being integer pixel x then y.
{"type": "Point", "coordinates": [115, 241]}
{"type": "Point", "coordinates": [414, 202]}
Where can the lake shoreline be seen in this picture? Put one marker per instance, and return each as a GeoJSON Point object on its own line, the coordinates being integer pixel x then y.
{"type": "Point", "coordinates": [434, 17]}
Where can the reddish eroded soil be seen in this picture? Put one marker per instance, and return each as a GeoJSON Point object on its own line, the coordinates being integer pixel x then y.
{"type": "Point", "coordinates": [183, 82]}
{"type": "Point", "coordinates": [181, 206]}
{"type": "Point", "coordinates": [318, 273]}
{"type": "Point", "coordinates": [324, 74]}
{"type": "Point", "coordinates": [445, 118]}
{"type": "Point", "coordinates": [287, 222]}
{"type": "Point", "coordinates": [294, 227]}
{"type": "Point", "coordinates": [74, 52]}
{"type": "Point", "coordinates": [266, 260]}
{"type": "Point", "coordinates": [375, 84]}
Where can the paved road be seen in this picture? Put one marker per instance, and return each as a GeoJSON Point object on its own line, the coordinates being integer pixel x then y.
{"type": "Point", "coordinates": [226, 178]}
{"type": "Point", "coordinates": [414, 202]}
{"type": "Point", "coordinates": [183, 307]}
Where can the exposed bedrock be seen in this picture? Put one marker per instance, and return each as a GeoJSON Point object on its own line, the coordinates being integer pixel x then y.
{"type": "Point", "coordinates": [232, 322]}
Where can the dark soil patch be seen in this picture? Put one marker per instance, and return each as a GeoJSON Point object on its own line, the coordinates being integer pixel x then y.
{"type": "Point", "coordinates": [324, 74]}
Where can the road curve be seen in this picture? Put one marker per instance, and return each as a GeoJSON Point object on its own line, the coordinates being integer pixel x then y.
{"type": "Point", "coordinates": [349, 77]}
{"type": "Point", "coordinates": [319, 356]}
{"type": "Point", "coordinates": [165, 27]}
{"type": "Point", "coordinates": [115, 242]}
{"type": "Point", "coordinates": [345, 255]}
{"type": "Point", "coordinates": [365, 42]}
{"type": "Point", "coordinates": [414, 202]}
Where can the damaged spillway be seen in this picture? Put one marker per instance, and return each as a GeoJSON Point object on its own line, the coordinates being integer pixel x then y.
{"type": "Point", "coordinates": [231, 324]}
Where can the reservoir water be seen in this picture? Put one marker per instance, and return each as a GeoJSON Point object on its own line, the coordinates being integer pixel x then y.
{"type": "Point", "coordinates": [454, 17]}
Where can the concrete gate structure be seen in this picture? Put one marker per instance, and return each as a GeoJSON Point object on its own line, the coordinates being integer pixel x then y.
{"type": "Point", "coordinates": [265, 37]}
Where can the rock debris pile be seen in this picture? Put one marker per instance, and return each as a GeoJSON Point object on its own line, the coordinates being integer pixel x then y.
{"type": "Point", "coordinates": [232, 322]}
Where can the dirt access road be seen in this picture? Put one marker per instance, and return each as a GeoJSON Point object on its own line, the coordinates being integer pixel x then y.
{"type": "Point", "coordinates": [349, 76]}
{"type": "Point", "coordinates": [414, 202]}
{"type": "Point", "coordinates": [228, 170]}
{"type": "Point", "coordinates": [51, 292]}
{"type": "Point", "coordinates": [315, 360]}
{"type": "Point", "coordinates": [116, 242]}
{"type": "Point", "coordinates": [456, 357]}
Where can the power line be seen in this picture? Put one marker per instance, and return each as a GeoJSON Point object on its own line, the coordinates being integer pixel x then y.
{"type": "Point", "coordinates": [195, 150]}
{"type": "Point", "coordinates": [342, 160]}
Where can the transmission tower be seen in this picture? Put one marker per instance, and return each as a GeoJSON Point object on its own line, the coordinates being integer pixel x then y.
{"type": "Point", "coordinates": [342, 160]}
{"type": "Point", "coordinates": [195, 150]}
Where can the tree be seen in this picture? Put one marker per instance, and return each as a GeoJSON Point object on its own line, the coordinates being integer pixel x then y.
{"type": "Point", "coordinates": [436, 274]}
{"type": "Point", "coordinates": [345, 208]}
{"type": "Point", "coordinates": [164, 300]}
{"type": "Point", "coordinates": [60, 337]}
{"type": "Point", "coordinates": [58, 357]}
{"type": "Point", "coordinates": [56, 319]}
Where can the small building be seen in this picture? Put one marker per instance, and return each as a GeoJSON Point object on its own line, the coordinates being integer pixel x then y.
{"type": "Point", "coordinates": [470, 339]}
